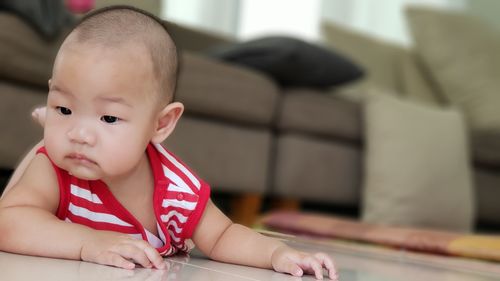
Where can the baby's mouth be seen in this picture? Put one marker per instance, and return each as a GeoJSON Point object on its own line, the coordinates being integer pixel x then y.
{"type": "Point", "coordinates": [81, 158]}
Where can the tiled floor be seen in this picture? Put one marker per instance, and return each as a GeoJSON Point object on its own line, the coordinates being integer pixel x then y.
{"type": "Point", "coordinates": [355, 263]}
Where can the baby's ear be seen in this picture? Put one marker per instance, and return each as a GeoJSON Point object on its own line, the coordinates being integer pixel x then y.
{"type": "Point", "coordinates": [166, 121]}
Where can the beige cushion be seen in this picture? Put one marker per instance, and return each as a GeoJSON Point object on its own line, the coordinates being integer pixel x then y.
{"type": "Point", "coordinates": [417, 166]}
{"type": "Point", "coordinates": [388, 67]}
{"type": "Point", "coordinates": [415, 82]}
{"type": "Point", "coordinates": [462, 54]}
{"type": "Point", "coordinates": [376, 57]}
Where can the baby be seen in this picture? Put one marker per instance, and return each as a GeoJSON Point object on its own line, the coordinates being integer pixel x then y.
{"type": "Point", "coordinates": [100, 187]}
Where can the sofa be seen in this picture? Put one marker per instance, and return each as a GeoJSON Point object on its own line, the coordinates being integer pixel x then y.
{"type": "Point", "coordinates": [247, 135]}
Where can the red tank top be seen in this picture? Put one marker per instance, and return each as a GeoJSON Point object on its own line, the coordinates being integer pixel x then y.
{"type": "Point", "coordinates": [179, 200]}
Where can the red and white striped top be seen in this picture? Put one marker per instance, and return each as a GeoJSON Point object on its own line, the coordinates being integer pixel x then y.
{"type": "Point", "coordinates": [179, 200]}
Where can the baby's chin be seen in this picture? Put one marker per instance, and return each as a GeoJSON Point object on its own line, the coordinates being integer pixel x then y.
{"type": "Point", "coordinates": [83, 176]}
{"type": "Point", "coordinates": [83, 173]}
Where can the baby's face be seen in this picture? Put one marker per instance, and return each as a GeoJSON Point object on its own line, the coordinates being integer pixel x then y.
{"type": "Point", "coordinates": [101, 110]}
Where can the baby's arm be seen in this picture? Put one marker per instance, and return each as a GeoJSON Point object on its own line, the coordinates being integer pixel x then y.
{"type": "Point", "coordinates": [29, 226]}
{"type": "Point", "coordinates": [221, 240]}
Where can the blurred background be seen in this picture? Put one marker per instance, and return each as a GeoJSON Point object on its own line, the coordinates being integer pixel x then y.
{"type": "Point", "coordinates": [246, 19]}
{"type": "Point", "coordinates": [379, 111]}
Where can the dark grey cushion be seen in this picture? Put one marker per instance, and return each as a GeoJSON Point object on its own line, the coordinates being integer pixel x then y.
{"type": "Point", "coordinates": [291, 62]}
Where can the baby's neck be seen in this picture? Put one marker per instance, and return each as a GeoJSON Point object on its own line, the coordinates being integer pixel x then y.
{"type": "Point", "coordinates": [134, 184]}
{"type": "Point", "coordinates": [135, 193]}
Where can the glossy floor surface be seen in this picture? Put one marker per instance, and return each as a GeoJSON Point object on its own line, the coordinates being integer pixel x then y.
{"type": "Point", "coordinates": [355, 263]}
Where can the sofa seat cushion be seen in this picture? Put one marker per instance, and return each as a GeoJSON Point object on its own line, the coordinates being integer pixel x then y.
{"type": "Point", "coordinates": [487, 193]}
{"type": "Point", "coordinates": [26, 56]}
{"type": "Point", "coordinates": [318, 170]}
{"type": "Point", "coordinates": [226, 91]}
{"type": "Point", "coordinates": [229, 158]}
{"type": "Point", "coordinates": [486, 147]}
{"type": "Point", "coordinates": [310, 111]}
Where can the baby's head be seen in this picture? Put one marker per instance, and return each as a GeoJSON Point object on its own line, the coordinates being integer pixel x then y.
{"type": "Point", "coordinates": [111, 93]}
{"type": "Point", "coordinates": [120, 27]}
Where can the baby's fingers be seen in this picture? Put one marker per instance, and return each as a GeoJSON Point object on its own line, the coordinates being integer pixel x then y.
{"type": "Point", "coordinates": [133, 252]}
{"type": "Point", "coordinates": [289, 266]}
{"type": "Point", "coordinates": [312, 265]}
{"type": "Point", "coordinates": [327, 263]}
{"type": "Point", "coordinates": [117, 260]}
{"type": "Point", "coordinates": [155, 257]}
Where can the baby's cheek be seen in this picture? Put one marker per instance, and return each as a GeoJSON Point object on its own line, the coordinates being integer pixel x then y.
{"type": "Point", "coordinates": [53, 144]}
{"type": "Point", "coordinates": [118, 159]}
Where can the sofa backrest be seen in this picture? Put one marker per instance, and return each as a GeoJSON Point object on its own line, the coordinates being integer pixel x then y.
{"type": "Point", "coordinates": [194, 40]}
{"type": "Point", "coordinates": [26, 56]}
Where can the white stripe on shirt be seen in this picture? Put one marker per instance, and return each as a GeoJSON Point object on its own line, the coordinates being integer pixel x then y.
{"type": "Point", "coordinates": [181, 167]}
{"type": "Point", "coordinates": [176, 227]}
{"type": "Point", "coordinates": [85, 194]}
{"type": "Point", "coordinates": [179, 185]}
{"type": "Point", "coordinates": [94, 216]}
{"type": "Point", "coordinates": [180, 204]}
{"type": "Point", "coordinates": [172, 213]}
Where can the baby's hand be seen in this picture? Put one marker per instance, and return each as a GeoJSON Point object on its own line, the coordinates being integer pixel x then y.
{"type": "Point", "coordinates": [286, 259]}
{"type": "Point", "coordinates": [110, 248]}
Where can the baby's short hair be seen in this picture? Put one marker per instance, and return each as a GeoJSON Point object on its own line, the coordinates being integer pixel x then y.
{"type": "Point", "coordinates": [115, 25]}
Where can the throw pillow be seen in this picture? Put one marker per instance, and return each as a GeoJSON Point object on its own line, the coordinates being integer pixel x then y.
{"type": "Point", "coordinates": [417, 170]}
{"type": "Point", "coordinates": [377, 57]}
{"type": "Point", "coordinates": [291, 62]}
{"type": "Point", "coordinates": [462, 56]}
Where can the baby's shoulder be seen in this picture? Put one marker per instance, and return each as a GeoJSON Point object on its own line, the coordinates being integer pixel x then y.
{"type": "Point", "coordinates": [38, 186]}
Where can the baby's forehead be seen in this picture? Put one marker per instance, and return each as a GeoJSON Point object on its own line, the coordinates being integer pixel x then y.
{"type": "Point", "coordinates": [132, 59]}
{"type": "Point", "coordinates": [76, 39]}
{"type": "Point", "coordinates": [127, 52]}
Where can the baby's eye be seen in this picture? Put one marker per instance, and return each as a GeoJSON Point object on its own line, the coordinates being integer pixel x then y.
{"type": "Point", "coordinates": [63, 110]}
{"type": "Point", "coordinates": [110, 119]}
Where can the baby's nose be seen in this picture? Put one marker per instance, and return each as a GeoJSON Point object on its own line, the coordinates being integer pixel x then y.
{"type": "Point", "coordinates": [82, 135]}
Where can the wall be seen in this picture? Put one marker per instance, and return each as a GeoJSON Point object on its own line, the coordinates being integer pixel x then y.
{"type": "Point", "coordinates": [382, 19]}
{"type": "Point", "coordinates": [246, 19]}
{"type": "Point", "coordinates": [220, 16]}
